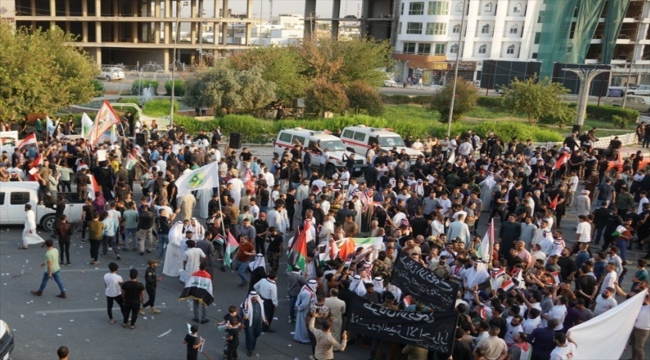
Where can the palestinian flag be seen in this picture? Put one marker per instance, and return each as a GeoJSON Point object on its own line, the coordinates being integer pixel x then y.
{"type": "Point", "coordinates": [347, 249]}
{"type": "Point", "coordinates": [556, 277]}
{"type": "Point", "coordinates": [297, 255]}
{"type": "Point", "coordinates": [130, 162]}
{"type": "Point", "coordinates": [622, 232]}
{"type": "Point", "coordinates": [231, 248]}
{"type": "Point", "coordinates": [198, 287]}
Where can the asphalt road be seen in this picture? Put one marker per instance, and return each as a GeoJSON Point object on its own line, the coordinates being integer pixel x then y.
{"type": "Point", "coordinates": [42, 324]}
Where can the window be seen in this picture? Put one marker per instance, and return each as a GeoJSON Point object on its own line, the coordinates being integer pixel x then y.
{"type": "Point", "coordinates": [540, 17]}
{"type": "Point", "coordinates": [456, 29]}
{"type": "Point", "coordinates": [300, 139]}
{"type": "Point", "coordinates": [517, 8]}
{"type": "Point", "coordinates": [409, 48]}
{"type": "Point", "coordinates": [482, 49]}
{"type": "Point", "coordinates": [401, 12]}
{"type": "Point", "coordinates": [414, 28]}
{"type": "Point", "coordinates": [453, 49]}
{"type": "Point", "coordinates": [438, 8]}
{"type": "Point", "coordinates": [285, 137]}
{"type": "Point", "coordinates": [347, 134]}
{"type": "Point", "coordinates": [19, 198]}
{"type": "Point", "coordinates": [488, 7]}
{"type": "Point", "coordinates": [2, 198]}
{"type": "Point", "coordinates": [359, 136]}
{"type": "Point", "coordinates": [537, 36]}
{"type": "Point", "coordinates": [416, 8]}
{"type": "Point", "coordinates": [459, 7]}
{"type": "Point", "coordinates": [399, 28]}
{"type": "Point", "coordinates": [514, 29]}
{"type": "Point", "coordinates": [424, 49]}
{"type": "Point", "coordinates": [485, 29]}
{"type": "Point", "coordinates": [534, 56]}
{"type": "Point", "coordinates": [436, 29]}
{"type": "Point", "coordinates": [510, 49]}
{"type": "Point", "coordinates": [439, 49]}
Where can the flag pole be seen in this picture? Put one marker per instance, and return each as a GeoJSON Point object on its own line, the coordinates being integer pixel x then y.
{"type": "Point", "coordinates": [223, 225]}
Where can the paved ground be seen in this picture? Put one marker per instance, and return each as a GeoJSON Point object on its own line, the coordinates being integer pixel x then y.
{"type": "Point", "coordinates": [42, 324]}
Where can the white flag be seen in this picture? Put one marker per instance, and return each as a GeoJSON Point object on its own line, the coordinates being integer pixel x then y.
{"type": "Point", "coordinates": [202, 178]}
{"type": "Point", "coordinates": [605, 336]}
{"type": "Point", "coordinates": [86, 125]}
{"type": "Point", "coordinates": [452, 158]}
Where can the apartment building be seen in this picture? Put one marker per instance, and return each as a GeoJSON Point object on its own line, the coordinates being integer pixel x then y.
{"type": "Point", "coordinates": [428, 36]}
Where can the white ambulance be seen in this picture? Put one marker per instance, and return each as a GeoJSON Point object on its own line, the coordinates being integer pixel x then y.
{"type": "Point", "coordinates": [311, 141]}
{"type": "Point", "coordinates": [360, 138]}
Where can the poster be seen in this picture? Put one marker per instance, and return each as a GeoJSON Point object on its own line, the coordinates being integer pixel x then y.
{"type": "Point", "coordinates": [101, 155]}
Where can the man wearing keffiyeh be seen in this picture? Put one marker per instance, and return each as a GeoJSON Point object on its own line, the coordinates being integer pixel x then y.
{"type": "Point", "coordinates": [306, 298]}
{"type": "Point", "coordinates": [253, 313]}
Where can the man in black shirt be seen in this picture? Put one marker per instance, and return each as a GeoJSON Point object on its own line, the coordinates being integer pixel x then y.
{"type": "Point", "coordinates": [290, 205]}
{"type": "Point", "coordinates": [274, 251]}
{"type": "Point", "coordinates": [133, 294]}
{"type": "Point", "coordinates": [151, 280]}
{"type": "Point", "coordinates": [261, 227]}
{"type": "Point", "coordinates": [163, 224]}
{"type": "Point", "coordinates": [213, 205]}
{"type": "Point", "coordinates": [145, 229]}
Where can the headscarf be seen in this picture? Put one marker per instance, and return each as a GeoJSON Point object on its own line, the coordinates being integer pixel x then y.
{"type": "Point", "coordinates": [310, 287]}
{"type": "Point", "coordinates": [378, 283]}
{"type": "Point", "coordinates": [358, 286]}
{"type": "Point", "coordinates": [247, 307]}
{"type": "Point", "coordinates": [258, 262]}
{"type": "Point", "coordinates": [395, 291]}
{"type": "Point", "coordinates": [176, 233]}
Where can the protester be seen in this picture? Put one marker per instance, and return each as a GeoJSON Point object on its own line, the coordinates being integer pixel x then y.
{"type": "Point", "coordinates": [52, 269]}
{"type": "Point", "coordinates": [133, 295]}
{"type": "Point", "coordinates": [113, 284]}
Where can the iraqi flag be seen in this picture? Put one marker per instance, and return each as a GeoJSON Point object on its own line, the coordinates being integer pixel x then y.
{"type": "Point", "coordinates": [198, 287]}
{"type": "Point", "coordinates": [331, 249]}
{"type": "Point", "coordinates": [231, 249]}
{"type": "Point", "coordinates": [484, 251]}
{"type": "Point", "coordinates": [553, 203]}
{"type": "Point", "coordinates": [561, 161]}
{"type": "Point", "coordinates": [347, 249]}
{"type": "Point", "coordinates": [37, 162]}
{"type": "Point", "coordinates": [94, 186]}
{"type": "Point", "coordinates": [507, 285]}
{"type": "Point", "coordinates": [297, 255]}
{"type": "Point", "coordinates": [29, 140]}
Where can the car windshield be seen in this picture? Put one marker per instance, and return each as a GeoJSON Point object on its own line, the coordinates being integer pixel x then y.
{"type": "Point", "coordinates": [332, 145]}
{"type": "Point", "coordinates": [390, 141]}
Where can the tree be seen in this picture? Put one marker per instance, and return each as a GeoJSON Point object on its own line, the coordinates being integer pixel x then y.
{"type": "Point", "coordinates": [466, 98]}
{"type": "Point", "coordinates": [364, 97]}
{"type": "Point", "coordinates": [281, 65]}
{"type": "Point", "coordinates": [534, 98]}
{"type": "Point", "coordinates": [223, 87]}
{"type": "Point", "coordinates": [323, 96]}
{"type": "Point", "coordinates": [40, 72]}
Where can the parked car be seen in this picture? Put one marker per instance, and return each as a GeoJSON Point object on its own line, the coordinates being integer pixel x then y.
{"type": "Point", "coordinates": [640, 90]}
{"type": "Point", "coordinates": [6, 340]}
{"type": "Point", "coordinates": [111, 73]}
{"type": "Point", "coordinates": [390, 83]}
{"type": "Point", "coordinates": [636, 102]}
{"type": "Point", "coordinates": [14, 196]}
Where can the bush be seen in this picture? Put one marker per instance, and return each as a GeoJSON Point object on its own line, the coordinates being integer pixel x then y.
{"type": "Point", "coordinates": [490, 102]}
{"type": "Point", "coordinates": [325, 96]}
{"type": "Point", "coordinates": [508, 130]}
{"type": "Point", "coordinates": [421, 99]}
{"type": "Point", "coordinates": [560, 116]}
{"type": "Point", "coordinates": [99, 87]}
{"type": "Point", "coordinates": [619, 121]}
{"type": "Point", "coordinates": [465, 99]}
{"type": "Point", "coordinates": [251, 129]}
{"type": "Point", "coordinates": [139, 85]}
{"type": "Point", "coordinates": [607, 113]}
{"type": "Point", "coordinates": [159, 107]}
{"type": "Point", "coordinates": [364, 97]}
{"type": "Point", "coordinates": [179, 88]}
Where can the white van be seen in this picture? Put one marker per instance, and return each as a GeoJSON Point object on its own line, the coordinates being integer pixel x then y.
{"type": "Point", "coordinates": [360, 138]}
{"type": "Point", "coordinates": [14, 196]}
{"type": "Point", "coordinates": [311, 140]}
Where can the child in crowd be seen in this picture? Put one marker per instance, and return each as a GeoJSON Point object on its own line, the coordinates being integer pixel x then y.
{"type": "Point", "coordinates": [193, 343]}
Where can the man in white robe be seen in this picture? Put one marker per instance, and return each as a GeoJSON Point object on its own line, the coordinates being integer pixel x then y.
{"type": "Point", "coordinates": [30, 237]}
{"type": "Point", "coordinates": [174, 255]}
{"type": "Point", "coordinates": [474, 276]}
{"type": "Point", "coordinates": [358, 207]}
{"type": "Point", "coordinates": [486, 191]}
{"type": "Point", "coordinates": [191, 260]}
{"type": "Point", "coordinates": [235, 192]}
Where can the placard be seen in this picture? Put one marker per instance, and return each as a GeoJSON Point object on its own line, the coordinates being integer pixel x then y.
{"type": "Point", "coordinates": [416, 280]}
{"type": "Point", "coordinates": [101, 155]}
{"type": "Point", "coordinates": [432, 331]}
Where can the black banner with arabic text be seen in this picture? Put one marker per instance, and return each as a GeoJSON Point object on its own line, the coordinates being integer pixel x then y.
{"type": "Point", "coordinates": [416, 280]}
{"type": "Point", "coordinates": [432, 331]}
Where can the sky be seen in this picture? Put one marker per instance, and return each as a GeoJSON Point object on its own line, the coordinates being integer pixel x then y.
{"type": "Point", "coordinates": [323, 7]}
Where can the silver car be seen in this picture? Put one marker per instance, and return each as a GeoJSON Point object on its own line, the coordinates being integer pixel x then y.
{"type": "Point", "coordinates": [636, 102]}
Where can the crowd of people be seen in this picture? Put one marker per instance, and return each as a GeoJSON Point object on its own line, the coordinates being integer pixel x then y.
{"type": "Point", "coordinates": [435, 209]}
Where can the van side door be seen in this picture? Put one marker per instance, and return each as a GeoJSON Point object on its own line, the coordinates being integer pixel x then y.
{"type": "Point", "coordinates": [16, 206]}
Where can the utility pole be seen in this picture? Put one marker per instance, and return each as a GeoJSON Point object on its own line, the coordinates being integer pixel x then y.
{"type": "Point", "coordinates": [453, 91]}
{"type": "Point", "coordinates": [271, 11]}
{"type": "Point", "coordinates": [586, 76]}
{"type": "Point", "coordinates": [178, 19]}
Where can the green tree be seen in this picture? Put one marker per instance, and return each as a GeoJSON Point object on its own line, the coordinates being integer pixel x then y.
{"type": "Point", "coordinates": [465, 100]}
{"type": "Point", "coordinates": [222, 87]}
{"type": "Point", "coordinates": [534, 98]}
{"type": "Point", "coordinates": [281, 65]}
{"type": "Point", "coordinates": [40, 72]}
{"type": "Point", "coordinates": [364, 97]}
{"type": "Point", "coordinates": [323, 96]}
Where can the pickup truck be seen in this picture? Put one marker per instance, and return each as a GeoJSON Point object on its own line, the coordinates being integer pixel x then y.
{"type": "Point", "coordinates": [616, 160]}
{"type": "Point", "coordinates": [14, 196]}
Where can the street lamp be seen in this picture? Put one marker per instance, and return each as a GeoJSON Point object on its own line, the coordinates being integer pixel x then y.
{"type": "Point", "coordinates": [179, 6]}
{"type": "Point", "coordinates": [586, 76]}
{"type": "Point", "coordinates": [453, 88]}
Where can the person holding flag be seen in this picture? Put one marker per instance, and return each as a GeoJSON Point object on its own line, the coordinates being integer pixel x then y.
{"type": "Point", "coordinates": [199, 289]}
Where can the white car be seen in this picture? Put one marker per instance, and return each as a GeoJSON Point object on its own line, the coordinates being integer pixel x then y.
{"type": "Point", "coordinates": [390, 83]}
{"type": "Point", "coordinates": [111, 73]}
{"type": "Point", "coordinates": [640, 90]}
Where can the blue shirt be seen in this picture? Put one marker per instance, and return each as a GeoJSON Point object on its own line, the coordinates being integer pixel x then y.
{"type": "Point", "coordinates": [154, 155]}
{"type": "Point", "coordinates": [599, 269]}
{"type": "Point", "coordinates": [543, 342]}
{"type": "Point", "coordinates": [581, 258]}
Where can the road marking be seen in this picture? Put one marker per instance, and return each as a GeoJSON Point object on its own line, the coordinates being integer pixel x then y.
{"type": "Point", "coordinates": [79, 310]}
